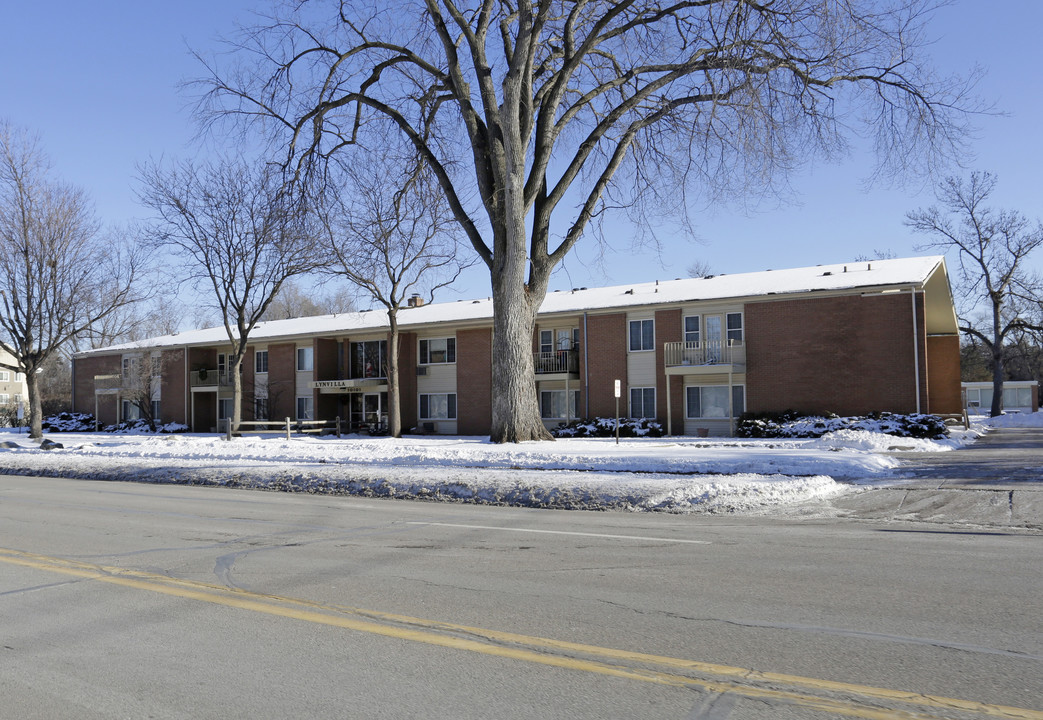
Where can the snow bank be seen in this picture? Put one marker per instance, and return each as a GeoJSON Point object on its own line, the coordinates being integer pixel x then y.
{"type": "Point", "coordinates": [666, 474]}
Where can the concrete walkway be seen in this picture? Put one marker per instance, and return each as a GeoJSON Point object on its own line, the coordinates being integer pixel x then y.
{"type": "Point", "coordinates": [995, 482]}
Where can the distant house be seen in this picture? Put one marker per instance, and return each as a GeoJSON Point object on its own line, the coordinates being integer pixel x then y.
{"type": "Point", "coordinates": [1018, 396]}
{"type": "Point", "coordinates": [13, 388]}
{"type": "Point", "coordinates": [692, 353]}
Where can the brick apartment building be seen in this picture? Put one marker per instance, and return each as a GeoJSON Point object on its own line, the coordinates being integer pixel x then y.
{"type": "Point", "coordinates": [692, 353]}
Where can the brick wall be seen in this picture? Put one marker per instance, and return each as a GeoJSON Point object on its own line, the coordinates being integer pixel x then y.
{"type": "Point", "coordinates": [84, 370]}
{"type": "Point", "coordinates": [848, 355]}
{"type": "Point", "coordinates": [407, 387]}
{"type": "Point", "coordinates": [282, 379]}
{"type": "Point", "coordinates": [668, 329]}
{"type": "Point", "coordinates": [173, 387]}
{"type": "Point", "coordinates": [474, 381]}
{"type": "Point", "coordinates": [327, 406]}
{"type": "Point", "coordinates": [943, 375]}
{"type": "Point", "coordinates": [607, 361]}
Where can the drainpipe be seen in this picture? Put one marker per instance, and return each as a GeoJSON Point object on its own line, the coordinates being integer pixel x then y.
{"type": "Point", "coordinates": [916, 350]}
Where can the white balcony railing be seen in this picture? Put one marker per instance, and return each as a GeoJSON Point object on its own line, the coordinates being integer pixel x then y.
{"type": "Point", "coordinates": [678, 354]}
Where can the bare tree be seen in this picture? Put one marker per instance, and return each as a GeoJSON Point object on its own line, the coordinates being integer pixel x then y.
{"type": "Point", "coordinates": [60, 277]}
{"type": "Point", "coordinates": [993, 248]}
{"type": "Point", "coordinates": [240, 233]}
{"type": "Point", "coordinates": [294, 301]}
{"type": "Point", "coordinates": [698, 269]}
{"type": "Point", "coordinates": [393, 237]}
{"type": "Point", "coordinates": [541, 119]}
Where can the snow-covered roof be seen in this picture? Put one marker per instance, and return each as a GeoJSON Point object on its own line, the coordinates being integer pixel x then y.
{"type": "Point", "coordinates": [853, 276]}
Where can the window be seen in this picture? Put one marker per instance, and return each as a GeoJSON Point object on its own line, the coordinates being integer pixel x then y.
{"type": "Point", "coordinates": [18, 397]}
{"type": "Point", "coordinates": [224, 409]}
{"type": "Point", "coordinates": [4, 398]}
{"type": "Point", "coordinates": [711, 401]}
{"type": "Point", "coordinates": [5, 376]}
{"type": "Point", "coordinates": [131, 411]}
{"type": "Point", "coordinates": [18, 377]}
{"type": "Point", "coordinates": [261, 361]}
{"type": "Point", "coordinates": [305, 360]}
{"type": "Point", "coordinates": [546, 341]}
{"type": "Point", "coordinates": [642, 335]}
{"type": "Point", "coordinates": [734, 328]}
{"type": "Point", "coordinates": [155, 411]}
{"type": "Point", "coordinates": [552, 404]}
{"type": "Point", "coordinates": [437, 351]}
{"type": "Point", "coordinates": [642, 402]}
{"type": "Point", "coordinates": [691, 329]}
{"type": "Point", "coordinates": [261, 409]}
{"type": "Point", "coordinates": [305, 411]}
{"type": "Point", "coordinates": [440, 406]}
{"type": "Point", "coordinates": [369, 359]}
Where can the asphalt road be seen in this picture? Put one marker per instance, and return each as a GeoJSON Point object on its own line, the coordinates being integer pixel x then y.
{"type": "Point", "coordinates": [126, 600]}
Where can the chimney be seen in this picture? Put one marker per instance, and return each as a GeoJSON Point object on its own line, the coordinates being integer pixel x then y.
{"type": "Point", "coordinates": [415, 300]}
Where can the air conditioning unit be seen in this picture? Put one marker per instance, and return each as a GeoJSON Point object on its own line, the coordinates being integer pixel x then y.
{"type": "Point", "coordinates": [421, 369]}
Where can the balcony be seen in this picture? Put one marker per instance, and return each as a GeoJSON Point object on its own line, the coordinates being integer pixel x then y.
{"type": "Point", "coordinates": [209, 379]}
{"type": "Point", "coordinates": [692, 358]}
{"type": "Point", "coordinates": [560, 363]}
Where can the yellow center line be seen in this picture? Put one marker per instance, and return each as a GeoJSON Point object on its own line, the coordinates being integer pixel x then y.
{"type": "Point", "coordinates": [544, 651]}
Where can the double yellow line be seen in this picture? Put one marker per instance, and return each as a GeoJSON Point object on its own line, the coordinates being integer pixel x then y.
{"type": "Point", "coordinates": [844, 699]}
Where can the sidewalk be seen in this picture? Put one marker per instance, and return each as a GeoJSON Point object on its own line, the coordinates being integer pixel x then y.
{"type": "Point", "coordinates": [995, 482]}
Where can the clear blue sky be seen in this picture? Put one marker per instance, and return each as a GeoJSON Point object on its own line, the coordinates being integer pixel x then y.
{"type": "Point", "coordinates": [99, 82]}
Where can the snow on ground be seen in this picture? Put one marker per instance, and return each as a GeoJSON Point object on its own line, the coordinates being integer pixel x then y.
{"type": "Point", "coordinates": [672, 474]}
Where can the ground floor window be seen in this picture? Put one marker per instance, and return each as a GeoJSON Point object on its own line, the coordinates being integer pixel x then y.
{"type": "Point", "coordinates": [711, 401]}
{"type": "Point", "coordinates": [130, 411]}
{"type": "Point", "coordinates": [438, 406]}
{"type": "Point", "coordinates": [261, 408]}
{"type": "Point", "coordinates": [155, 411]}
{"type": "Point", "coordinates": [642, 402]}
{"type": "Point", "coordinates": [305, 408]}
{"type": "Point", "coordinates": [224, 409]}
{"type": "Point", "coordinates": [552, 404]}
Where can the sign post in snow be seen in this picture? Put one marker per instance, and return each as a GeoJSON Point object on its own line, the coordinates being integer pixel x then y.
{"type": "Point", "coordinates": [617, 411]}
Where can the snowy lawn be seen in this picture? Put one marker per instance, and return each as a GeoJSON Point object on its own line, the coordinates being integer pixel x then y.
{"type": "Point", "coordinates": [673, 474]}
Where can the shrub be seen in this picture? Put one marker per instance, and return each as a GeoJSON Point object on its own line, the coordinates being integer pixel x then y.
{"type": "Point", "coordinates": [792, 424]}
{"type": "Point", "coordinates": [68, 422]}
{"type": "Point", "coordinates": [606, 427]}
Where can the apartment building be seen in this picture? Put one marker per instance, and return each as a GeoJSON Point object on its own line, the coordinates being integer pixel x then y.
{"type": "Point", "coordinates": [13, 388]}
{"type": "Point", "coordinates": [692, 353]}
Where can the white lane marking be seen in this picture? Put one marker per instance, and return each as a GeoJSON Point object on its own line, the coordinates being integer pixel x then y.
{"type": "Point", "coordinates": [563, 532]}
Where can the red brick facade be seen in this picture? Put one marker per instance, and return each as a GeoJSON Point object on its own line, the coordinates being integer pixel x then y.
{"type": "Point", "coordinates": [943, 375]}
{"type": "Point", "coordinates": [474, 362]}
{"type": "Point", "coordinates": [84, 370]}
{"type": "Point", "coordinates": [849, 355]}
{"type": "Point", "coordinates": [606, 359]}
{"type": "Point", "coordinates": [668, 327]}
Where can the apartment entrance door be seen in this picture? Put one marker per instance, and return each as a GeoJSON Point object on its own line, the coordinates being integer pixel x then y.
{"type": "Point", "coordinates": [713, 339]}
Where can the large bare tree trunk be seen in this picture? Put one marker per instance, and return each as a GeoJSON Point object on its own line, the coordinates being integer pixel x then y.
{"type": "Point", "coordinates": [35, 408]}
{"type": "Point", "coordinates": [394, 401]}
{"type": "Point", "coordinates": [515, 410]}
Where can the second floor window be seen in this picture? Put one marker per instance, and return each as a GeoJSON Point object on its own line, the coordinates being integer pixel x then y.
{"type": "Point", "coordinates": [642, 335]}
{"type": "Point", "coordinates": [734, 328]}
{"type": "Point", "coordinates": [261, 361]}
{"type": "Point", "coordinates": [691, 329]}
{"type": "Point", "coordinates": [305, 359]}
{"type": "Point", "coordinates": [369, 359]}
{"type": "Point", "coordinates": [437, 350]}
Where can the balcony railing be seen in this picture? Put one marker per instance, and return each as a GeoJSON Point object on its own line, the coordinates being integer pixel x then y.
{"type": "Point", "coordinates": [557, 361]}
{"type": "Point", "coordinates": [210, 378]}
{"type": "Point", "coordinates": [704, 353]}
